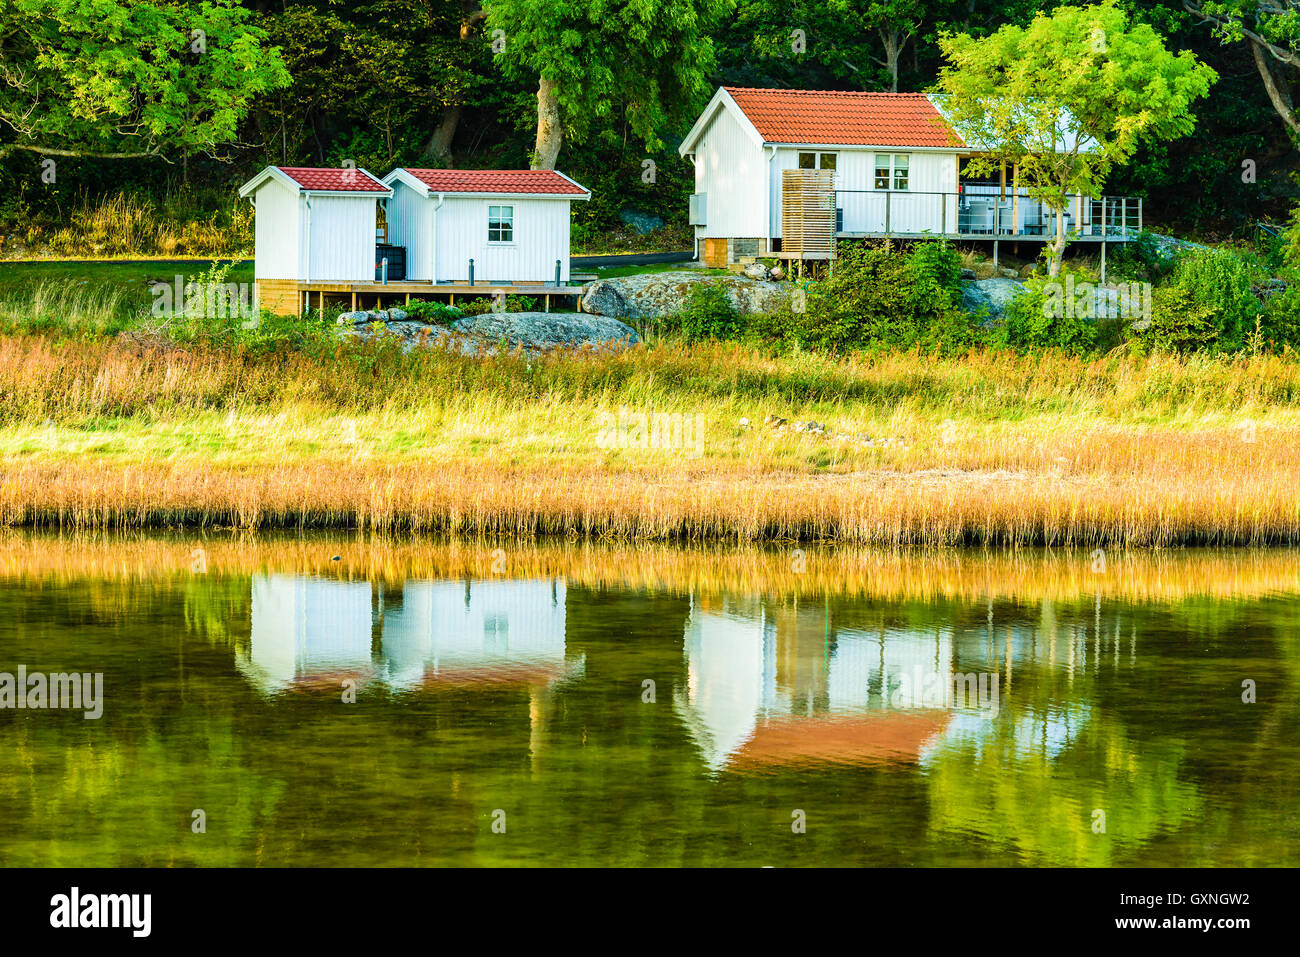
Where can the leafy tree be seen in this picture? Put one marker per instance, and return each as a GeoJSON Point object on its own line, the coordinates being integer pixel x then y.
{"type": "Point", "coordinates": [118, 79]}
{"type": "Point", "coordinates": [1271, 28]}
{"type": "Point", "coordinates": [655, 60]}
{"type": "Point", "coordinates": [1067, 99]}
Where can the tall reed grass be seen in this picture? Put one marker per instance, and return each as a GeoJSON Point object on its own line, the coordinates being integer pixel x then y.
{"type": "Point", "coordinates": [994, 449]}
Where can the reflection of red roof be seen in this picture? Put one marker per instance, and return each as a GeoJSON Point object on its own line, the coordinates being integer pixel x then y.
{"type": "Point", "coordinates": [540, 181]}
{"type": "Point", "coordinates": [328, 680]}
{"type": "Point", "coordinates": [504, 676]}
{"type": "Point", "coordinates": [845, 118]}
{"type": "Point", "coordinates": [342, 180]}
{"type": "Point", "coordinates": [886, 738]}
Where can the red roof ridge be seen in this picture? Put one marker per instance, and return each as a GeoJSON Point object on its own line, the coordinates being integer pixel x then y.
{"type": "Point", "coordinates": [542, 182]}
{"type": "Point", "coordinates": [778, 89]}
{"type": "Point", "coordinates": [334, 178]}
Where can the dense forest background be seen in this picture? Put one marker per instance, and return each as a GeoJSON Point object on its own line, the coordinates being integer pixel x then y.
{"type": "Point", "coordinates": [418, 82]}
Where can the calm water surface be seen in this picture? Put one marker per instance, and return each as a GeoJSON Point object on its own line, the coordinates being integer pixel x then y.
{"type": "Point", "coordinates": [553, 719]}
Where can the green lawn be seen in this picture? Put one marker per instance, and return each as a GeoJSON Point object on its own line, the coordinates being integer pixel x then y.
{"type": "Point", "coordinates": [21, 277]}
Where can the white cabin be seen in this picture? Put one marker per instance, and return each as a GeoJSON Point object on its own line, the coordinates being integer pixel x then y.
{"type": "Point", "coordinates": [512, 225]}
{"type": "Point", "coordinates": [315, 225]}
{"type": "Point", "coordinates": [882, 164]}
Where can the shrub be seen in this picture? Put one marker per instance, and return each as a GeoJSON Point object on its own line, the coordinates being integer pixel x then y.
{"type": "Point", "coordinates": [1143, 259]}
{"type": "Point", "coordinates": [476, 307]}
{"type": "Point", "coordinates": [1040, 317]}
{"type": "Point", "coordinates": [709, 314]}
{"type": "Point", "coordinates": [1208, 303]}
{"type": "Point", "coordinates": [438, 313]}
{"type": "Point", "coordinates": [877, 297]}
{"type": "Point", "coordinates": [1280, 324]}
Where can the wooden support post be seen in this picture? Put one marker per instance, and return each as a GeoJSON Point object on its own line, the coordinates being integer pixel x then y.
{"type": "Point", "coordinates": [1015, 199]}
{"type": "Point", "coordinates": [408, 298]}
{"type": "Point", "coordinates": [1002, 195]}
{"type": "Point", "coordinates": [548, 302]}
{"type": "Point", "coordinates": [354, 302]}
{"type": "Point", "coordinates": [995, 251]}
{"type": "Point", "coordinates": [322, 303]}
{"type": "Point", "coordinates": [1103, 260]}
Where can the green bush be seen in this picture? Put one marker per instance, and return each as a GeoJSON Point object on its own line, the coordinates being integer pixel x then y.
{"type": "Point", "coordinates": [1042, 318]}
{"type": "Point", "coordinates": [1280, 324]}
{"type": "Point", "coordinates": [476, 307]}
{"type": "Point", "coordinates": [709, 314]}
{"type": "Point", "coordinates": [1208, 303]}
{"type": "Point", "coordinates": [1143, 259]}
{"type": "Point", "coordinates": [437, 313]}
{"type": "Point", "coordinates": [877, 297]}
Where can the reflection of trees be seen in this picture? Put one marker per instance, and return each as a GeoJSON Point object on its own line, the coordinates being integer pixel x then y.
{"type": "Point", "coordinates": [1007, 788]}
{"type": "Point", "coordinates": [1150, 730]}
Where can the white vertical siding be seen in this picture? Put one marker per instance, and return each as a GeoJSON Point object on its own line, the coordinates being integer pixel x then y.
{"type": "Point", "coordinates": [341, 235]}
{"type": "Point", "coordinates": [731, 168]}
{"type": "Point", "coordinates": [910, 210]}
{"type": "Point", "coordinates": [541, 236]}
{"type": "Point", "coordinates": [410, 224]}
{"type": "Point", "coordinates": [275, 228]}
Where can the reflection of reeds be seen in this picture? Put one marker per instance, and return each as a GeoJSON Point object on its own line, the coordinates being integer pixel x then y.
{"type": "Point", "coordinates": [894, 574]}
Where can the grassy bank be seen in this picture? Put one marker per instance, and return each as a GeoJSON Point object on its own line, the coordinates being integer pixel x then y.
{"type": "Point", "coordinates": [992, 448]}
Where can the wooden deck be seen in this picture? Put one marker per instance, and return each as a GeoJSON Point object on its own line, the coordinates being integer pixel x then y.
{"type": "Point", "coordinates": [291, 297]}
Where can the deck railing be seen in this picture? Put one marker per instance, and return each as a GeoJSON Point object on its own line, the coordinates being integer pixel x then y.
{"type": "Point", "coordinates": [982, 212]}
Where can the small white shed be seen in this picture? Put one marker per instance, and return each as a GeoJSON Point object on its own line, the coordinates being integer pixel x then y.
{"type": "Point", "coordinates": [312, 226]}
{"type": "Point", "coordinates": [512, 224]}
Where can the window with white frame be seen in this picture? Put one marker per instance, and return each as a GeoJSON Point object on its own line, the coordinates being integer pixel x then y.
{"type": "Point", "coordinates": [501, 224]}
{"type": "Point", "coordinates": [892, 170]}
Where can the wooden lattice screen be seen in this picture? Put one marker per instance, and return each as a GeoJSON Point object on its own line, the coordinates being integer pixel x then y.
{"type": "Point", "coordinates": [808, 213]}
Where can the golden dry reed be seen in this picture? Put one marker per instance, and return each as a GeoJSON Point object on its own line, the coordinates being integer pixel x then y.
{"type": "Point", "coordinates": [789, 571]}
{"type": "Point", "coordinates": [993, 449]}
{"type": "Point", "coordinates": [736, 505]}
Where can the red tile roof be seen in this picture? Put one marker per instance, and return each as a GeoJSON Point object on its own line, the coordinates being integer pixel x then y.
{"type": "Point", "coordinates": [541, 181]}
{"type": "Point", "coordinates": [845, 118]}
{"type": "Point", "coordinates": [340, 180]}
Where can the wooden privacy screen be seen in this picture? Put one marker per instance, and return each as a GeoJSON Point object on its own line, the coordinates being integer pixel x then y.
{"type": "Point", "coordinates": [808, 213]}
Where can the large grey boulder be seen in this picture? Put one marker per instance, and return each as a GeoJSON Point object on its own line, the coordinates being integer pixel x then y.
{"type": "Point", "coordinates": [486, 334]}
{"type": "Point", "coordinates": [990, 296]}
{"type": "Point", "coordinates": [546, 330]}
{"type": "Point", "coordinates": [656, 295]}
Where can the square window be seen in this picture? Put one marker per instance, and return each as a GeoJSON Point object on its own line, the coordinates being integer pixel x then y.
{"type": "Point", "coordinates": [827, 161]}
{"type": "Point", "coordinates": [807, 160]}
{"type": "Point", "coordinates": [501, 224]}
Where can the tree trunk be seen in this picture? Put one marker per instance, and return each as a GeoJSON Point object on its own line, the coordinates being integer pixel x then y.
{"type": "Point", "coordinates": [439, 146]}
{"type": "Point", "coordinates": [1058, 245]}
{"type": "Point", "coordinates": [1279, 92]}
{"type": "Point", "coordinates": [893, 49]}
{"type": "Point", "coordinates": [550, 134]}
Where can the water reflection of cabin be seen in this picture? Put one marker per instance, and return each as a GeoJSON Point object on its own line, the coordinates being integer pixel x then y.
{"type": "Point", "coordinates": [771, 687]}
{"type": "Point", "coordinates": [311, 632]}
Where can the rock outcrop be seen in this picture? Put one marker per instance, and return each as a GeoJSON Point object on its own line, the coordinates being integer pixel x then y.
{"type": "Point", "coordinates": [486, 334]}
{"type": "Point", "coordinates": [655, 295]}
{"type": "Point", "coordinates": [990, 296]}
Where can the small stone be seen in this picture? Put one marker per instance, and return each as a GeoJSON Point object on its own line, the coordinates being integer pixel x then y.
{"type": "Point", "coordinates": [743, 423]}
{"type": "Point", "coordinates": [774, 421]}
